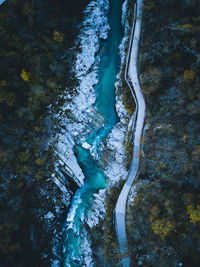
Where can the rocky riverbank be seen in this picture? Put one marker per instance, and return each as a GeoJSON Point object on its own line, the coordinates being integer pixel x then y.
{"type": "Point", "coordinates": [34, 80]}
{"type": "Point", "coordinates": [47, 105]}
{"type": "Point", "coordinates": [114, 150]}
{"type": "Point", "coordinates": [116, 156]}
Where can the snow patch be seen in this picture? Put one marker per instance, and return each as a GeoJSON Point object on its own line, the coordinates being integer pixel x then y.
{"type": "Point", "coordinates": [113, 150]}
{"type": "Point", "coordinates": [84, 117]}
{"type": "Point", "coordinates": [55, 263]}
{"type": "Point", "coordinates": [72, 212]}
{"type": "Point", "coordinates": [87, 251]}
{"type": "Point", "coordinates": [67, 158]}
{"type": "Point", "coordinates": [132, 195]}
{"type": "Point", "coordinates": [116, 169]}
{"type": "Point", "coordinates": [49, 216]}
{"type": "Point", "coordinates": [98, 210]}
{"type": "Point", "coordinates": [86, 145]}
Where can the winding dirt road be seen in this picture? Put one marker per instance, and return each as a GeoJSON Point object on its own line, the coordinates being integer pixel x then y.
{"type": "Point", "coordinates": [131, 77]}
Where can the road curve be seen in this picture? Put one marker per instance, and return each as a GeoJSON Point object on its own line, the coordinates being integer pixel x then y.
{"type": "Point", "coordinates": [131, 77]}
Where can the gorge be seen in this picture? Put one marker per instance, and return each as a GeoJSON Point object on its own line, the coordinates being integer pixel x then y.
{"type": "Point", "coordinates": [88, 157]}
{"type": "Point", "coordinates": [83, 181]}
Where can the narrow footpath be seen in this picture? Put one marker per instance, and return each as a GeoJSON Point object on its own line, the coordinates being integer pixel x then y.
{"type": "Point", "coordinates": [131, 77]}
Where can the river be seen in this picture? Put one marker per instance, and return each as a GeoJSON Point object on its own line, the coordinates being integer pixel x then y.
{"type": "Point", "coordinates": [94, 179]}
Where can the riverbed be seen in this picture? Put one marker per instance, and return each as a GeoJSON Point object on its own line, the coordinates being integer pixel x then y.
{"type": "Point", "coordinates": [88, 157]}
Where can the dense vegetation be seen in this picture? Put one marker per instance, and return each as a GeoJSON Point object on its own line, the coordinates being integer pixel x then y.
{"type": "Point", "coordinates": [34, 79]}
{"type": "Point", "coordinates": [164, 219]}
{"type": "Point", "coordinates": [104, 240]}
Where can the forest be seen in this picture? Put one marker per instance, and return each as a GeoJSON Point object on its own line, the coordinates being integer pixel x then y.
{"type": "Point", "coordinates": [35, 60]}
{"type": "Point", "coordinates": [163, 221]}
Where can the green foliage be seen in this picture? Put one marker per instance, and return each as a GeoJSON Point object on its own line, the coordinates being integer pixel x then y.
{"type": "Point", "coordinates": [194, 213]}
{"type": "Point", "coordinates": [23, 156]}
{"type": "Point", "coordinates": [162, 227]}
{"type": "Point", "coordinates": [57, 36]}
{"type": "Point", "coordinates": [151, 80]}
{"type": "Point", "coordinates": [189, 76]}
{"type": "Point", "coordinates": [40, 161]}
{"type": "Point", "coordinates": [39, 175]}
{"type": "Point", "coordinates": [25, 75]}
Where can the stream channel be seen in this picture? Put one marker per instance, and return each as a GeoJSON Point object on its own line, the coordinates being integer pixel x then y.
{"type": "Point", "coordinates": [105, 103]}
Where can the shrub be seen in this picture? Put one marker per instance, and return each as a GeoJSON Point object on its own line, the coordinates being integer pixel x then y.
{"type": "Point", "coordinates": [162, 227]}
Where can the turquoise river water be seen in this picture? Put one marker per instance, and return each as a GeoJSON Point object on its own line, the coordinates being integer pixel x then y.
{"type": "Point", "coordinates": [94, 178]}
